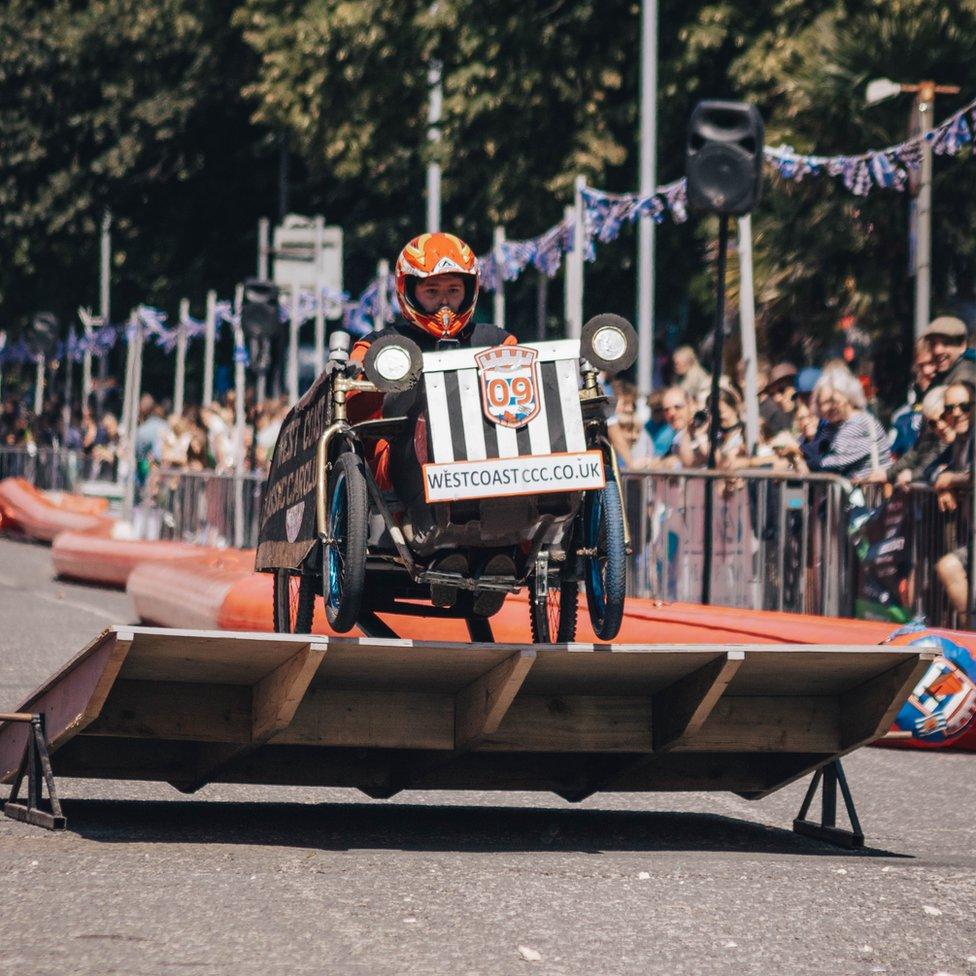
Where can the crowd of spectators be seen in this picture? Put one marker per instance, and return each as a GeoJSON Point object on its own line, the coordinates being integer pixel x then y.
{"type": "Point", "coordinates": [201, 438]}
{"type": "Point", "coordinates": [818, 419]}
{"type": "Point", "coordinates": [810, 419]}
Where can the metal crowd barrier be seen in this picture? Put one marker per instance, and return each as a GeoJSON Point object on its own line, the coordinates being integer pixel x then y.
{"type": "Point", "coordinates": [779, 540]}
{"type": "Point", "coordinates": [47, 468]}
{"type": "Point", "coordinates": [908, 543]}
{"type": "Point", "coordinates": [202, 507]}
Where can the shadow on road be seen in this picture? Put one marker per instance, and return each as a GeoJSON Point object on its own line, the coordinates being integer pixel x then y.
{"type": "Point", "coordinates": [419, 827]}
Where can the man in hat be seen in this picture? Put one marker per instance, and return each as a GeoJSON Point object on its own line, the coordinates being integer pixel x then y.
{"type": "Point", "coordinates": [954, 363]}
{"type": "Point", "coordinates": [777, 404]}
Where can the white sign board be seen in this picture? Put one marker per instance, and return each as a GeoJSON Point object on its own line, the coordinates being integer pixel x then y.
{"type": "Point", "coordinates": [525, 475]}
{"type": "Point", "coordinates": [296, 243]}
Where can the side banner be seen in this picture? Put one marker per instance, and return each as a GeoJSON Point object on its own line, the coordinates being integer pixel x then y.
{"type": "Point", "coordinates": [288, 530]}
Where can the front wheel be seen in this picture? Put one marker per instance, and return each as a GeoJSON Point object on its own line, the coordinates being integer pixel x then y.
{"type": "Point", "coordinates": [344, 562]}
{"type": "Point", "coordinates": [605, 563]}
{"type": "Point", "coordinates": [294, 601]}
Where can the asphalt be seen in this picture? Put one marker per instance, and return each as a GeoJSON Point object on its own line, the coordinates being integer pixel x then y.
{"type": "Point", "coordinates": [264, 881]}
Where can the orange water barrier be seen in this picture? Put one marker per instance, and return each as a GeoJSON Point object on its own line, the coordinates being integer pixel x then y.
{"type": "Point", "coordinates": [96, 558]}
{"type": "Point", "coordinates": [33, 513]}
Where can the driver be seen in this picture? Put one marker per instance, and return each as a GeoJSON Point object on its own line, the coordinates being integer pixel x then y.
{"type": "Point", "coordinates": [437, 282]}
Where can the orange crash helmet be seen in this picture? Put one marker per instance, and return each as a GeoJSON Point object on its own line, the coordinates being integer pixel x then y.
{"type": "Point", "coordinates": [424, 257]}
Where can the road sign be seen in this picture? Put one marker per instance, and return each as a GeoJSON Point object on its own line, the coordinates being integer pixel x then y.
{"type": "Point", "coordinates": [308, 255]}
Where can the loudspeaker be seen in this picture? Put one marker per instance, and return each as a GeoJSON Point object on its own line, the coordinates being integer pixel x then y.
{"type": "Point", "coordinates": [724, 158]}
{"type": "Point", "coordinates": [259, 313]}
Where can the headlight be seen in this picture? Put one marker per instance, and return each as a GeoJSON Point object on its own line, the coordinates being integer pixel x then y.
{"type": "Point", "coordinates": [393, 363]}
{"type": "Point", "coordinates": [609, 342]}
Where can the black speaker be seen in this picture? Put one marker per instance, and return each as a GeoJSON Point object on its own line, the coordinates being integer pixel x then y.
{"type": "Point", "coordinates": [259, 313]}
{"type": "Point", "coordinates": [724, 158]}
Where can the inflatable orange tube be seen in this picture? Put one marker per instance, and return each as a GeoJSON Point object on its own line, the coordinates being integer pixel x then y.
{"type": "Point", "coordinates": [27, 510]}
{"type": "Point", "coordinates": [95, 558]}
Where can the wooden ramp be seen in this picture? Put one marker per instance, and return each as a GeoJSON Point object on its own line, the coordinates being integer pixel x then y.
{"type": "Point", "coordinates": [191, 707]}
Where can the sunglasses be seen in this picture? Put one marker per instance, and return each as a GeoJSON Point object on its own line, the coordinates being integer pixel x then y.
{"type": "Point", "coordinates": [963, 407]}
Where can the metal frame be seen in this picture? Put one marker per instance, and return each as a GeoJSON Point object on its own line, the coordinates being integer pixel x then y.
{"type": "Point", "coordinates": [36, 764]}
{"type": "Point", "coordinates": [831, 776]}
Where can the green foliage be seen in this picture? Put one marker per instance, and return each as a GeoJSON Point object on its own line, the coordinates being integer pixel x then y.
{"type": "Point", "coordinates": [129, 106]}
{"type": "Point", "coordinates": [169, 113]}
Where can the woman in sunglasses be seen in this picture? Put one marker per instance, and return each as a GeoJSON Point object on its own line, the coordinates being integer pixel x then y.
{"type": "Point", "coordinates": [957, 415]}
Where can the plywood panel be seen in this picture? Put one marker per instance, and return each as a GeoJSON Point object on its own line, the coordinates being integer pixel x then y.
{"type": "Point", "coordinates": [574, 723]}
{"type": "Point", "coordinates": [767, 724]}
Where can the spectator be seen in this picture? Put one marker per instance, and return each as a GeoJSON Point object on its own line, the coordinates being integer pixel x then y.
{"type": "Point", "coordinates": [105, 449]}
{"type": "Point", "coordinates": [940, 424]}
{"type": "Point", "coordinates": [907, 421]}
{"type": "Point", "coordinates": [850, 441]}
{"type": "Point", "coordinates": [805, 383]}
{"type": "Point", "coordinates": [777, 406]}
{"type": "Point", "coordinates": [149, 433]}
{"type": "Point", "coordinates": [952, 568]}
{"type": "Point", "coordinates": [693, 450]}
{"type": "Point", "coordinates": [690, 375]}
{"type": "Point", "coordinates": [622, 426]}
{"type": "Point", "coordinates": [953, 361]}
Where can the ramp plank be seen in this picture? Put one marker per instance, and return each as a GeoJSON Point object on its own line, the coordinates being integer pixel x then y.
{"type": "Point", "coordinates": [192, 706]}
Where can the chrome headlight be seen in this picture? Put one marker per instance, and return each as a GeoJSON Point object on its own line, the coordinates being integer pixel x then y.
{"type": "Point", "coordinates": [609, 342]}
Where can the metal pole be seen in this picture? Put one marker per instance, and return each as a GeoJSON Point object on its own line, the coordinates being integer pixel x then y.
{"type": "Point", "coordinates": [104, 303]}
{"type": "Point", "coordinates": [239, 393]}
{"type": "Point", "coordinates": [541, 304]}
{"type": "Point", "coordinates": [293, 326]}
{"type": "Point", "coordinates": [434, 110]}
{"type": "Point", "coordinates": [39, 386]}
{"type": "Point", "coordinates": [133, 417]}
{"type": "Point", "coordinates": [86, 362]}
{"type": "Point", "coordinates": [264, 249]}
{"type": "Point", "coordinates": [499, 297]}
{"type": "Point", "coordinates": [180, 380]}
{"type": "Point", "coordinates": [924, 103]}
{"type": "Point", "coordinates": [382, 305]}
{"type": "Point", "coordinates": [209, 335]}
{"type": "Point", "coordinates": [319, 300]}
{"type": "Point", "coordinates": [747, 328]}
{"type": "Point", "coordinates": [127, 383]}
{"type": "Point", "coordinates": [648, 180]}
{"type": "Point", "coordinates": [573, 280]}
{"type": "Point", "coordinates": [718, 349]}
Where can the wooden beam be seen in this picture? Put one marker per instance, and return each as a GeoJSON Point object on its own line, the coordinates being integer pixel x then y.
{"type": "Point", "coordinates": [276, 697]}
{"type": "Point", "coordinates": [680, 710]}
{"type": "Point", "coordinates": [480, 707]}
{"type": "Point", "coordinates": [868, 710]}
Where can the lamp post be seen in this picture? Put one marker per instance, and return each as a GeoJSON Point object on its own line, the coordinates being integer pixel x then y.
{"type": "Point", "coordinates": [923, 109]}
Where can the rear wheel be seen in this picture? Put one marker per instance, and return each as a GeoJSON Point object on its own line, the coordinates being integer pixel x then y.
{"type": "Point", "coordinates": [294, 601]}
{"type": "Point", "coordinates": [605, 568]}
{"type": "Point", "coordinates": [344, 562]}
{"type": "Point", "coordinates": [553, 616]}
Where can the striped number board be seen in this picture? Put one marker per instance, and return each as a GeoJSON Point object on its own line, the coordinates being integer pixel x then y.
{"type": "Point", "coordinates": [476, 457]}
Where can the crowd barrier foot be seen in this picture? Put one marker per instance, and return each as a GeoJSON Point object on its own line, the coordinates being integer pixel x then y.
{"type": "Point", "coordinates": [36, 766]}
{"type": "Point", "coordinates": [829, 778]}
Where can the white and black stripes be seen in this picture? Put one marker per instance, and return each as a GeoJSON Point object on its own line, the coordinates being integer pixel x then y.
{"type": "Point", "coordinates": [460, 431]}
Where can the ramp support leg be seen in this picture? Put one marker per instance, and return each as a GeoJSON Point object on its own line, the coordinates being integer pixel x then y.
{"type": "Point", "coordinates": [36, 765]}
{"type": "Point", "coordinates": [829, 778]}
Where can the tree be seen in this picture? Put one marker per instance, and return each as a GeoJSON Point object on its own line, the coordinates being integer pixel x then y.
{"type": "Point", "coordinates": [134, 107]}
